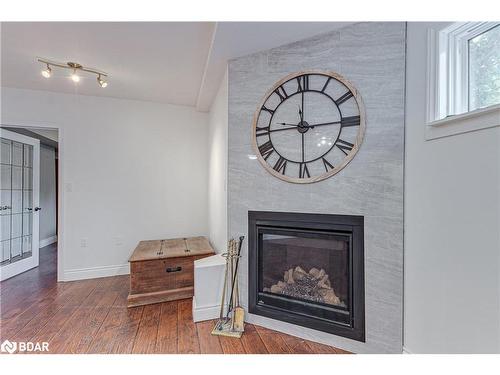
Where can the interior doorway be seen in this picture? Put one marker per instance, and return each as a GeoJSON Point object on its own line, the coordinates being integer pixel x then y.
{"type": "Point", "coordinates": [30, 198]}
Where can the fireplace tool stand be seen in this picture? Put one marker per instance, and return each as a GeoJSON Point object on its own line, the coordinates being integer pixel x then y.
{"type": "Point", "coordinates": [231, 318]}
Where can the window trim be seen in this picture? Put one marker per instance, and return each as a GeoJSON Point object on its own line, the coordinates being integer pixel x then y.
{"type": "Point", "coordinates": [447, 80]}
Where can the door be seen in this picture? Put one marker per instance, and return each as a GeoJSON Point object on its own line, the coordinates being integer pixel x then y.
{"type": "Point", "coordinates": [19, 203]}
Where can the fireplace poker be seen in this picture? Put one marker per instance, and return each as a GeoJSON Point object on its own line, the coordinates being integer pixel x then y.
{"type": "Point", "coordinates": [235, 274]}
{"type": "Point", "coordinates": [229, 244]}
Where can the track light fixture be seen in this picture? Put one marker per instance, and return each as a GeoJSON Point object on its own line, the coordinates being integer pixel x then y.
{"type": "Point", "coordinates": [47, 72]}
{"type": "Point", "coordinates": [76, 67]}
{"type": "Point", "coordinates": [103, 83]}
{"type": "Point", "coordinates": [75, 77]}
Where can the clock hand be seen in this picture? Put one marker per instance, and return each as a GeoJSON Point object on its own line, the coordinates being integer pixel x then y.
{"type": "Point", "coordinates": [303, 147]}
{"type": "Point", "coordinates": [310, 125]}
{"type": "Point", "coordinates": [302, 111]}
{"type": "Point", "coordinates": [281, 129]}
{"type": "Point", "coordinates": [324, 123]}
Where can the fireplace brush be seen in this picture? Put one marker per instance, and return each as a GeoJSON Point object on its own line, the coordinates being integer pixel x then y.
{"type": "Point", "coordinates": [238, 314]}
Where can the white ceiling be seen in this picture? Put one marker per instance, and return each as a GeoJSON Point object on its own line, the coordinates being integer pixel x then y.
{"type": "Point", "coordinates": [168, 62]}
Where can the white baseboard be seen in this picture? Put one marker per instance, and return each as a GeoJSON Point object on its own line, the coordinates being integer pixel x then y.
{"type": "Point", "coordinates": [95, 272]}
{"type": "Point", "coordinates": [205, 312]}
{"type": "Point", "coordinates": [47, 241]}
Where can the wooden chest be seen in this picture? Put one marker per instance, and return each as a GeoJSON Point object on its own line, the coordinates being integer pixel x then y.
{"type": "Point", "coordinates": [163, 270]}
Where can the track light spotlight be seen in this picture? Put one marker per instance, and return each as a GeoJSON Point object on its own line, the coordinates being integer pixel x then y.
{"type": "Point", "coordinates": [102, 82]}
{"type": "Point", "coordinates": [75, 77]}
{"type": "Point", "coordinates": [75, 67]}
{"type": "Point", "coordinates": [47, 72]}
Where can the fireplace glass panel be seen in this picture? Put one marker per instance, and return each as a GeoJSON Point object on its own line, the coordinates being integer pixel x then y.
{"type": "Point", "coordinates": [306, 266]}
{"type": "Point", "coordinates": [308, 270]}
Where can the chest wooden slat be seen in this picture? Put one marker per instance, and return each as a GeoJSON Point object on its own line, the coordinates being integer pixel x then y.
{"type": "Point", "coordinates": [163, 270]}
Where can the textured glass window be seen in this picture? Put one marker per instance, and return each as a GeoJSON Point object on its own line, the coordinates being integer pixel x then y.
{"type": "Point", "coordinates": [484, 69]}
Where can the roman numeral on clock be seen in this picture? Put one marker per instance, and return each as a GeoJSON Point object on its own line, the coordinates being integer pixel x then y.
{"type": "Point", "coordinates": [280, 91]}
{"type": "Point", "coordinates": [326, 84]}
{"type": "Point", "coordinates": [303, 171]}
{"type": "Point", "coordinates": [344, 146]}
{"type": "Point", "coordinates": [343, 98]}
{"type": "Point", "coordinates": [303, 83]}
{"type": "Point", "coordinates": [270, 111]}
{"type": "Point", "coordinates": [350, 121]}
{"type": "Point", "coordinates": [280, 165]}
{"type": "Point", "coordinates": [266, 149]}
{"type": "Point", "coordinates": [327, 164]}
{"type": "Point", "coordinates": [262, 131]}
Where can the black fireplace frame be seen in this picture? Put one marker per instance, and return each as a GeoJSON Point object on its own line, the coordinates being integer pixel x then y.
{"type": "Point", "coordinates": [354, 327]}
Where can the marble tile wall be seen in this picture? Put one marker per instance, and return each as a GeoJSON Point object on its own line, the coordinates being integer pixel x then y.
{"type": "Point", "coordinates": [372, 57]}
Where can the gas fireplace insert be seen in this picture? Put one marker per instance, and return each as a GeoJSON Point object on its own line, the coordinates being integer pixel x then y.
{"type": "Point", "coordinates": [308, 270]}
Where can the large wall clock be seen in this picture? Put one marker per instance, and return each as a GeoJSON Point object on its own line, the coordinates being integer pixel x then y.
{"type": "Point", "coordinates": [308, 127]}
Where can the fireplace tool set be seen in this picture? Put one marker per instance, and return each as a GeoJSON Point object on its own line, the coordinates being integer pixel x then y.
{"type": "Point", "coordinates": [231, 319]}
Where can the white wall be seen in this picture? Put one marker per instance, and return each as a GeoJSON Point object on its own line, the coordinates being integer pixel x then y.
{"type": "Point", "coordinates": [217, 168]}
{"type": "Point", "coordinates": [452, 226]}
{"type": "Point", "coordinates": [130, 170]}
{"type": "Point", "coordinates": [47, 195]}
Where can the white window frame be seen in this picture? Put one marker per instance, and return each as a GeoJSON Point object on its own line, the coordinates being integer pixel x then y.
{"type": "Point", "coordinates": [447, 81]}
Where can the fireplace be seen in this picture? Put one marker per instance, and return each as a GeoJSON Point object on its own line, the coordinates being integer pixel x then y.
{"type": "Point", "coordinates": [308, 269]}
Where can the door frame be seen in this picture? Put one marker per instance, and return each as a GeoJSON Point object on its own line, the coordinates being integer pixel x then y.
{"type": "Point", "coordinates": [33, 261]}
{"type": "Point", "coordinates": [61, 192]}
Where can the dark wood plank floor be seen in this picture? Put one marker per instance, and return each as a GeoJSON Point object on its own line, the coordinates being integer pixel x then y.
{"type": "Point", "coordinates": [91, 316]}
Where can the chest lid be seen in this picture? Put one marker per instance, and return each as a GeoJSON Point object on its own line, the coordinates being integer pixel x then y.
{"type": "Point", "coordinates": [171, 248]}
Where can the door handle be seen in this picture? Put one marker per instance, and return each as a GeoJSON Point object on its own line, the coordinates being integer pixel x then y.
{"type": "Point", "coordinates": [174, 269]}
{"type": "Point", "coordinates": [38, 208]}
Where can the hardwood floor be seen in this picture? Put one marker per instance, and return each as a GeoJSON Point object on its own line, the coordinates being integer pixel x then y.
{"type": "Point", "coordinates": [91, 316]}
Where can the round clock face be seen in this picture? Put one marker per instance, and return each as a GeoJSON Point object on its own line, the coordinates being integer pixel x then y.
{"type": "Point", "coordinates": [308, 127]}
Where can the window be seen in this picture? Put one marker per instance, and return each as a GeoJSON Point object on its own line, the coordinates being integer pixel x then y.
{"type": "Point", "coordinates": [463, 69]}
{"type": "Point", "coordinates": [484, 69]}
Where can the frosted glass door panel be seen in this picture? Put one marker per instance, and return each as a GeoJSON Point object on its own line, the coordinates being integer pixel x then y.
{"type": "Point", "coordinates": [5, 178]}
{"type": "Point", "coordinates": [5, 201]}
{"type": "Point", "coordinates": [17, 178]}
{"type": "Point", "coordinates": [4, 251]}
{"type": "Point", "coordinates": [5, 151]}
{"type": "Point", "coordinates": [4, 227]}
{"type": "Point", "coordinates": [16, 249]}
{"type": "Point", "coordinates": [17, 154]}
{"type": "Point", "coordinates": [16, 201]}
